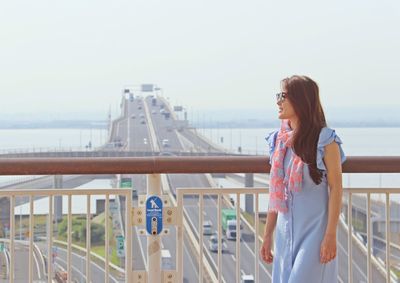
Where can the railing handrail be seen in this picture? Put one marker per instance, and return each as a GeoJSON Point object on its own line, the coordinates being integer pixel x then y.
{"type": "Point", "coordinates": [174, 164]}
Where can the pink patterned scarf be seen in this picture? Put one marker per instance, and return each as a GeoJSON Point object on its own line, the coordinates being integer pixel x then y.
{"type": "Point", "coordinates": [279, 179]}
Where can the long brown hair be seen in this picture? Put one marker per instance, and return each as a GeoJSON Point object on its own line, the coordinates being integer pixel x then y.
{"type": "Point", "coordinates": [303, 93]}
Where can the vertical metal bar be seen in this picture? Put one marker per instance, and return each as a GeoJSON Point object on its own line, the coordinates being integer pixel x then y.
{"type": "Point", "coordinates": [219, 236]}
{"type": "Point", "coordinates": [179, 238]}
{"type": "Point", "coordinates": [30, 272]}
{"type": "Point", "coordinates": [369, 237]}
{"type": "Point", "coordinates": [69, 263]}
{"type": "Point", "coordinates": [88, 240]}
{"type": "Point", "coordinates": [349, 239]}
{"type": "Point", "coordinates": [50, 242]}
{"type": "Point", "coordinates": [12, 237]}
{"type": "Point", "coordinates": [128, 237]}
{"type": "Point", "coordinates": [154, 241]}
{"type": "Point", "coordinates": [201, 209]}
{"type": "Point", "coordinates": [387, 238]}
{"type": "Point", "coordinates": [107, 239]}
{"type": "Point", "coordinates": [237, 237]}
{"type": "Point", "coordinates": [257, 247]}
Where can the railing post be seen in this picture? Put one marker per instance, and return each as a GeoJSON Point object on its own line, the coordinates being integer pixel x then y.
{"type": "Point", "coordinates": [179, 238]}
{"type": "Point", "coordinates": [128, 237]}
{"type": "Point", "coordinates": [154, 242]}
{"type": "Point", "coordinates": [58, 184]}
{"type": "Point", "coordinates": [249, 198]}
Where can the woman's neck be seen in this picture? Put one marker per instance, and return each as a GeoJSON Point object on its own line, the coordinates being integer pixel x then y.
{"type": "Point", "coordinates": [293, 123]}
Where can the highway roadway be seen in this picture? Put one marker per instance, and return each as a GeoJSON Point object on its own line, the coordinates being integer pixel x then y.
{"type": "Point", "coordinates": [139, 140]}
{"type": "Point", "coordinates": [191, 203]}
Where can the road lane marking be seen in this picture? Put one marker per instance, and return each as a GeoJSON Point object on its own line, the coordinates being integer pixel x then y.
{"type": "Point", "coordinates": [37, 264]}
{"type": "Point", "coordinates": [252, 253]}
{"type": "Point", "coordinates": [354, 264]}
{"type": "Point", "coordinates": [73, 267]}
{"type": "Point", "coordinates": [259, 262]}
{"type": "Point", "coordinates": [81, 258]}
{"type": "Point", "coordinates": [141, 248]}
{"type": "Point", "coordinates": [191, 260]}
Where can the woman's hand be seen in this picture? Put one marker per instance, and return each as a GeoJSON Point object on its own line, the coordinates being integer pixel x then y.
{"type": "Point", "coordinates": [328, 248]}
{"type": "Point", "coordinates": [265, 251]}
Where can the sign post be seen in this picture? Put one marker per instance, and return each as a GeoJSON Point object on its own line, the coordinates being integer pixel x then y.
{"type": "Point", "coordinates": [154, 227]}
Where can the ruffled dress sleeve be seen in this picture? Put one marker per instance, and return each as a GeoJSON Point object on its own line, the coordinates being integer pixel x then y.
{"type": "Point", "coordinates": [327, 136]}
{"type": "Point", "coordinates": [271, 139]}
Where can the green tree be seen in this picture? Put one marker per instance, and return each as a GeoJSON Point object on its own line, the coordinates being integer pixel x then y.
{"type": "Point", "coordinates": [97, 232]}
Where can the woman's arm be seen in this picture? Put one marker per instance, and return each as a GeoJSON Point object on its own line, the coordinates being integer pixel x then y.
{"type": "Point", "coordinates": [270, 224]}
{"type": "Point", "coordinates": [334, 175]}
{"type": "Point", "coordinates": [266, 248]}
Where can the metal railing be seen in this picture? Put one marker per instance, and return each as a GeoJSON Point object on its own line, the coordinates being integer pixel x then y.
{"type": "Point", "coordinates": [51, 194]}
{"type": "Point", "coordinates": [187, 165]}
{"type": "Point", "coordinates": [370, 259]}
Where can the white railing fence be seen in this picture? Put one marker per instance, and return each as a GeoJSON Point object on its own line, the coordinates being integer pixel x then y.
{"type": "Point", "coordinates": [10, 241]}
{"type": "Point", "coordinates": [223, 200]}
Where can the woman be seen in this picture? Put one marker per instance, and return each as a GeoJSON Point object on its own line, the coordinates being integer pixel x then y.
{"type": "Point", "coordinates": [305, 188]}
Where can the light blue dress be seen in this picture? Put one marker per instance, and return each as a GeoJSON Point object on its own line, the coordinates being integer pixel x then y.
{"type": "Point", "coordinates": [300, 231]}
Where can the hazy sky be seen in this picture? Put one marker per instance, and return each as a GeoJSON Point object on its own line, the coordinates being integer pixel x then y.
{"type": "Point", "coordinates": [77, 56]}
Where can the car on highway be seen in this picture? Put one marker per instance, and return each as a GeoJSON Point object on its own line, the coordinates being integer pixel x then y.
{"type": "Point", "coordinates": [143, 121]}
{"type": "Point", "coordinates": [166, 260]}
{"type": "Point", "coordinates": [213, 244]}
{"type": "Point", "coordinates": [165, 143]}
{"type": "Point", "coordinates": [207, 227]}
{"type": "Point", "coordinates": [247, 278]}
{"type": "Point", "coordinates": [133, 116]}
{"type": "Point", "coordinates": [139, 107]}
{"type": "Point", "coordinates": [154, 112]}
{"type": "Point", "coordinates": [118, 142]}
{"type": "Point", "coordinates": [109, 145]}
{"type": "Point", "coordinates": [145, 140]}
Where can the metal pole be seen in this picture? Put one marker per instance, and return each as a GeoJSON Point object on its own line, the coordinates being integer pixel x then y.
{"type": "Point", "coordinates": [154, 242]}
{"type": "Point", "coordinates": [50, 242]}
{"type": "Point", "coordinates": [128, 237]}
{"type": "Point", "coordinates": [370, 239]}
{"type": "Point", "coordinates": [349, 239]}
{"type": "Point", "coordinates": [387, 238]}
{"type": "Point", "coordinates": [12, 238]}
{"type": "Point", "coordinates": [88, 240]}
{"type": "Point", "coordinates": [129, 131]}
{"type": "Point", "coordinates": [30, 233]}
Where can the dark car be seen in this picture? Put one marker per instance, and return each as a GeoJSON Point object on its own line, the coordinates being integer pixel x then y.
{"type": "Point", "coordinates": [118, 142]}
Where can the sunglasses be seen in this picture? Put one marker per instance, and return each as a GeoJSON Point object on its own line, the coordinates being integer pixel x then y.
{"type": "Point", "coordinates": [280, 97]}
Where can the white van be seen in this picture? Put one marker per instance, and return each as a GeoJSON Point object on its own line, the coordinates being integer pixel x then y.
{"type": "Point", "coordinates": [165, 143]}
{"type": "Point", "coordinates": [247, 278]}
{"type": "Point", "coordinates": [166, 260]}
{"type": "Point", "coordinates": [231, 229]}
